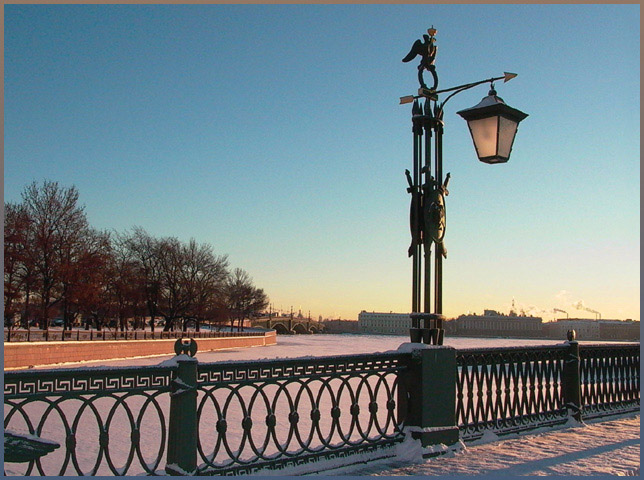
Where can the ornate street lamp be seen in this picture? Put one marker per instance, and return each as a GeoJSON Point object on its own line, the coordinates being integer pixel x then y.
{"type": "Point", "coordinates": [493, 126]}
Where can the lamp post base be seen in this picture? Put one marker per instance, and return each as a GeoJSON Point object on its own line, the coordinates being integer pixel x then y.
{"type": "Point", "coordinates": [431, 331]}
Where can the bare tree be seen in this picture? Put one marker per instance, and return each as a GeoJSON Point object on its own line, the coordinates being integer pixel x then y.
{"type": "Point", "coordinates": [174, 299]}
{"type": "Point", "coordinates": [16, 224]}
{"type": "Point", "coordinates": [204, 278]}
{"type": "Point", "coordinates": [57, 262]}
{"type": "Point", "coordinates": [143, 251]}
{"type": "Point", "coordinates": [125, 285]}
{"type": "Point", "coordinates": [84, 263]}
{"type": "Point", "coordinates": [57, 223]}
{"type": "Point", "coordinates": [243, 298]}
{"type": "Point", "coordinates": [86, 284]}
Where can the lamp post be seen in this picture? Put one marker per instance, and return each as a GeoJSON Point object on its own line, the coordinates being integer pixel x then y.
{"type": "Point", "coordinates": [493, 126]}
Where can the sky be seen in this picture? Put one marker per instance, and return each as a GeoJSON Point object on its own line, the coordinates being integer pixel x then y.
{"type": "Point", "coordinates": [274, 134]}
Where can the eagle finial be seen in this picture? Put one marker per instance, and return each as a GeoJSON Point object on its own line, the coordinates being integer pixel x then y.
{"type": "Point", "coordinates": [427, 51]}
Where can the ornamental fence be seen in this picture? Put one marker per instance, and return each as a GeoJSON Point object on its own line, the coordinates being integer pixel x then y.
{"type": "Point", "coordinates": [38, 335]}
{"type": "Point", "coordinates": [609, 378]}
{"type": "Point", "coordinates": [186, 417]}
{"type": "Point", "coordinates": [508, 390]}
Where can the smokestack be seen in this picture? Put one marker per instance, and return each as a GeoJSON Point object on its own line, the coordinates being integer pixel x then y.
{"type": "Point", "coordinates": [580, 306]}
{"type": "Point", "coordinates": [561, 311]}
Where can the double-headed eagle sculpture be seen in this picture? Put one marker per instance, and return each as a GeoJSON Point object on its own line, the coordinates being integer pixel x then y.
{"type": "Point", "coordinates": [427, 51]}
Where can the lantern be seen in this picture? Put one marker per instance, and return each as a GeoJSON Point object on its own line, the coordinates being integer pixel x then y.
{"type": "Point", "coordinates": [493, 126]}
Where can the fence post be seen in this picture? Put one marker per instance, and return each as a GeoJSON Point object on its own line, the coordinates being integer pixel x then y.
{"type": "Point", "coordinates": [182, 425]}
{"type": "Point", "coordinates": [428, 392]}
{"type": "Point", "coordinates": [572, 378]}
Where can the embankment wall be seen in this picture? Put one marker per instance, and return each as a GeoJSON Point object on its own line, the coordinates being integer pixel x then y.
{"type": "Point", "coordinates": [26, 354]}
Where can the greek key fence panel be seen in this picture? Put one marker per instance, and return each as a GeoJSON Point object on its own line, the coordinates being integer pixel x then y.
{"type": "Point", "coordinates": [610, 379]}
{"type": "Point", "coordinates": [107, 422]}
{"type": "Point", "coordinates": [509, 389]}
{"type": "Point", "coordinates": [277, 413]}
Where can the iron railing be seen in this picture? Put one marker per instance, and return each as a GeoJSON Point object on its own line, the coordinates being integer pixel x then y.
{"type": "Point", "coordinates": [506, 390]}
{"type": "Point", "coordinates": [37, 335]}
{"type": "Point", "coordinates": [106, 421]}
{"type": "Point", "coordinates": [610, 378]}
{"type": "Point", "coordinates": [273, 414]}
{"type": "Point", "coordinates": [242, 417]}
{"type": "Point", "coordinates": [251, 415]}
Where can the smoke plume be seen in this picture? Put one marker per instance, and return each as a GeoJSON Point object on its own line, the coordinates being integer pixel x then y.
{"type": "Point", "coordinates": [579, 305]}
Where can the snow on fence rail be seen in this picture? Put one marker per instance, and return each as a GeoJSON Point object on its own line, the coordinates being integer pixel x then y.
{"type": "Point", "coordinates": [185, 417]}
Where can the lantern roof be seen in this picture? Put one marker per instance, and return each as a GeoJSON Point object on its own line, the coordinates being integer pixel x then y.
{"type": "Point", "coordinates": [490, 106]}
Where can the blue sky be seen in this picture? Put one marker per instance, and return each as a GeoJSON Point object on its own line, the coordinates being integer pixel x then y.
{"type": "Point", "coordinates": [274, 134]}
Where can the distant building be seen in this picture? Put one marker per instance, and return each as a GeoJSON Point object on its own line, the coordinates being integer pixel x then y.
{"type": "Point", "coordinates": [590, 329]}
{"type": "Point", "coordinates": [384, 323]}
{"type": "Point", "coordinates": [341, 326]}
{"type": "Point", "coordinates": [586, 329]}
{"type": "Point", "coordinates": [495, 324]}
{"type": "Point", "coordinates": [619, 330]}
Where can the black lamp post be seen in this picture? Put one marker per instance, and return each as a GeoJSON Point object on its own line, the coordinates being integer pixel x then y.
{"type": "Point", "coordinates": [493, 126]}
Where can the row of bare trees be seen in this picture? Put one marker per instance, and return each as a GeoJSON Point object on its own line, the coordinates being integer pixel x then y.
{"type": "Point", "coordinates": [57, 265]}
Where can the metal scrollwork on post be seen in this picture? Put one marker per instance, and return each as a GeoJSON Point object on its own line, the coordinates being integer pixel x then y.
{"type": "Point", "coordinates": [435, 214]}
{"type": "Point", "coordinates": [415, 220]}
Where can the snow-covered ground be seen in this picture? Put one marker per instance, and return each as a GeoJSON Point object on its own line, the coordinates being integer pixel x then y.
{"type": "Point", "coordinates": [608, 447]}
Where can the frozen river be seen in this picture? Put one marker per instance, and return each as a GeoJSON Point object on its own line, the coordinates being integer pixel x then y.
{"type": "Point", "coordinates": [293, 346]}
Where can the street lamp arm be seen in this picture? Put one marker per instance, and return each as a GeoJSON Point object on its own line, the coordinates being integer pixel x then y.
{"type": "Point", "coordinates": [466, 86]}
{"type": "Point", "coordinates": [507, 76]}
{"type": "Point", "coordinates": [461, 88]}
{"type": "Point", "coordinates": [457, 92]}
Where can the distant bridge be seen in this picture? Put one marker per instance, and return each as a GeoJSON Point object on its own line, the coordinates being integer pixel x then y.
{"type": "Point", "coordinates": [289, 325]}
